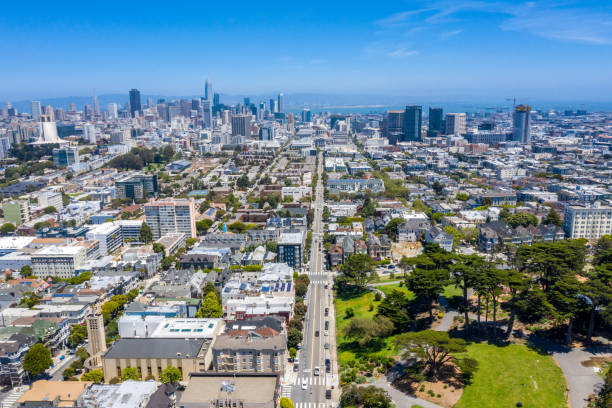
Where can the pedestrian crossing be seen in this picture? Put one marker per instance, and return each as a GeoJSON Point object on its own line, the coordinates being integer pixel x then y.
{"type": "Point", "coordinates": [320, 281]}
{"type": "Point", "coordinates": [312, 404]}
{"type": "Point", "coordinates": [286, 391]}
{"type": "Point", "coordinates": [315, 380]}
{"type": "Point", "coordinates": [11, 399]}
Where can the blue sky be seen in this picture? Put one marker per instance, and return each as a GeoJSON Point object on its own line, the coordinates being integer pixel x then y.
{"type": "Point", "coordinates": [447, 49]}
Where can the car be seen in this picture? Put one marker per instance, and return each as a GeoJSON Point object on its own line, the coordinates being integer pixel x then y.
{"type": "Point", "coordinates": [317, 370]}
{"type": "Point", "coordinates": [327, 365]}
{"type": "Point", "coordinates": [304, 384]}
{"type": "Point", "coordinates": [316, 333]}
{"type": "Point", "coordinates": [296, 367]}
{"type": "Point", "coordinates": [328, 394]}
{"type": "Point", "coordinates": [326, 332]}
{"type": "Point", "coordinates": [326, 346]}
{"type": "Point", "coordinates": [326, 312]}
{"type": "Point", "coordinates": [327, 325]}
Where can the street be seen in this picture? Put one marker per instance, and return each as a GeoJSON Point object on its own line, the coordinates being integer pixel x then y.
{"type": "Point", "coordinates": [313, 353]}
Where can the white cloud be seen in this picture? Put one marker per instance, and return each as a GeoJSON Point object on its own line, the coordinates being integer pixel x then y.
{"type": "Point", "coordinates": [401, 53]}
{"type": "Point", "coordinates": [449, 34]}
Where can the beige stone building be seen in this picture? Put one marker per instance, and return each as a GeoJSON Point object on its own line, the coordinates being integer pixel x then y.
{"type": "Point", "coordinates": [152, 355]}
{"type": "Point", "coordinates": [258, 351]}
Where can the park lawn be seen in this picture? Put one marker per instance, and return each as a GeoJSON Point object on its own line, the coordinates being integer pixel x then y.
{"type": "Point", "coordinates": [507, 375]}
{"type": "Point", "coordinates": [386, 289]}
{"type": "Point", "coordinates": [360, 305]}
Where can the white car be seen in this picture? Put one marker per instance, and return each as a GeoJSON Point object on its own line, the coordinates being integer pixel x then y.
{"type": "Point", "coordinates": [304, 384]}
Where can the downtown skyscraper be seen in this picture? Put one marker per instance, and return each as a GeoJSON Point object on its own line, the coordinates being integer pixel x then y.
{"type": "Point", "coordinates": [521, 124]}
{"type": "Point", "coordinates": [135, 102]}
{"type": "Point", "coordinates": [208, 90]}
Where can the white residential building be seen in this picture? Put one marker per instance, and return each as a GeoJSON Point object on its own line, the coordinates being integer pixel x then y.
{"type": "Point", "coordinates": [60, 261]}
{"type": "Point", "coordinates": [589, 222]}
{"type": "Point", "coordinates": [109, 235]}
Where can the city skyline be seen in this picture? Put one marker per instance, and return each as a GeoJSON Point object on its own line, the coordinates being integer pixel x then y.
{"type": "Point", "coordinates": [468, 49]}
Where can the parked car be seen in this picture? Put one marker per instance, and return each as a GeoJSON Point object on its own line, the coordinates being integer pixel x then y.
{"type": "Point", "coordinates": [304, 384]}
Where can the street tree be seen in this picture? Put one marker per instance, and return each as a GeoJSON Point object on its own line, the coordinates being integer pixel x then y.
{"type": "Point", "coordinates": [37, 360]}
{"type": "Point", "coordinates": [395, 308]}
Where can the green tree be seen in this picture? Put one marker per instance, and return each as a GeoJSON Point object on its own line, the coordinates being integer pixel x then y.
{"type": "Point", "coordinates": [159, 248]}
{"type": "Point", "coordinates": [395, 307]}
{"type": "Point", "coordinates": [50, 210]}
{"type": "Point", "coordinates": [37, 360]}
{"type": "Point", "coordinates": [357, 270]}
{"type": "Point", "coordinates": [294, 337]}
{"type": "Point", "coordinates": [78, 334]}
{"type": "Point", "coordinates": [145, 235]}
{"type": "Point", "coordinates": [292, 353]}
{"type": "Point", "coordinates": [7, 228]}
{"type": "Point", "coordinates": [368, 208]}
{"type": "Point", "coordinates": [365, 397]}
{"type": "Point", "coordinates": [130, 373]}
{"type": "Point", "coordinates": [392, 227]}
{"type": "Point", "coordinates": [552, 218]}
{"type": "Point", "coordinates": [29, 300]}
{"type": "Point", "coordinates": [365, 330]}
{"type": "Point", "coordinates": [68, 372]}
{"type": "Point", "coordinates": [96, 376]}
{"type": "Point", "coordinates": [170, 375]}
{"type": "Point", "coordinates": [110, 309]}
{"type": "Point", "coordinates": [211, 306]}
{"type": "Point", "coordinates": [243, 182]}
{"type": "Point", "coordinates": [301, 289]}
{"type": "Point", "coordinates": [26, 271]}
{"type": "Point", "coordinates": [286, 403]}
{"type": "Point", "coordinates": [203, 225]}
{"type": "Point", "coordinates": [434, 348]}
{"type": "Point", "coordinates": [521, 218]}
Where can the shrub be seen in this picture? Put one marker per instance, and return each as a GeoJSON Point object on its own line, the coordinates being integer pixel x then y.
{"type": "Point", "coordinates": [349, 312]}
{"type": "Point", "coordinates": [377, 297]}
{"type": "Point", "coordinates": [422, 388]}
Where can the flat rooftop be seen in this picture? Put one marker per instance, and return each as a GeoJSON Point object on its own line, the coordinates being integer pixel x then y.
{"type": "Point", "coordinates": [155, 348]}
{"type": "Point", "coordinates": [250, 389]}
{"type": "Point", "coordinates": [191, 328]}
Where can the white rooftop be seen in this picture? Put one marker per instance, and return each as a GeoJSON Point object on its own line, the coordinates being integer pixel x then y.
{"type": "Point", "coordinates": [191, 328]}
{"type": "Point", "coordinates": [8, 243]}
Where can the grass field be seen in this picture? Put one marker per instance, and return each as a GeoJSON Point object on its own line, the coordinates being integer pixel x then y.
{"type": "Point", "coordinates": [452, 290]}
{"type": "Point", "coordinates": [386, 289]}
{"type": "Point", "coordinates": [360, 303]}
{"type": "Point", "coordinates": [507, 375]}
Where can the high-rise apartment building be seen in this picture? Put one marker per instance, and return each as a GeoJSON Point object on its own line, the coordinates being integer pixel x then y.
{"type": "Point", "coordinates": [36, 109]}
{"type": "Point", "coordinates": [412, 123]}
{"type": "Point", "coordinates": [135, 102]}
{"type": "Point", "coordinates": [241, 125]}
{"type": "Point", "coordinates": [456, 124]}
{"type": "Point", "coordinates": [170, 216]}
{"type": "Point", "coordinates": [306, 115]}
{"type": "Point", "coordinates": [65, 156]}
{"type": "Point", "coordinates": [96, 107]}
{"type": "Point", "coordinates": [136, 187]}
{"type": "Point", "coordinates": [436, 122]}
{"type": "Point", "coordinates": [587, 221]}
{"type": "Point", "coordinates": [521, 123]}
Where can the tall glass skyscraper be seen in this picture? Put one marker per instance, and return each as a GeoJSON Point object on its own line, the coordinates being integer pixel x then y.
{"type": "Point", "coordinates": [436, 122]}
{"type": "Point", "coordinates": [135, 101]}
{"type": "Point", "coordinates": [521, 123]}
{"type": "Point", "coordinates": [412, 123]}
{"type": "Point", "coordinates": [208, 91]}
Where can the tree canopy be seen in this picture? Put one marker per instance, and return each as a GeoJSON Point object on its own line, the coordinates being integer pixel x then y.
{"type": "Point", "coordinates": [37, 359]}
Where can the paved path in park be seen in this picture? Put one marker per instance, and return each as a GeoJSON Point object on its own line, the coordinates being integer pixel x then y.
{"type": "Point", "coordinates": [582, 381]}
{"type": "Point", "coordinates": [400, 399]}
